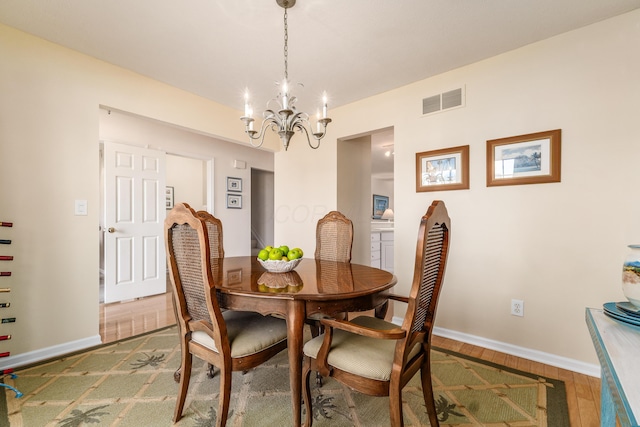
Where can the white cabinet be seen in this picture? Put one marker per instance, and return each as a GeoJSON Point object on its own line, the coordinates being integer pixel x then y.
{"type": "Point", "coordinates": [382, 250]}
{"type": "Point", "coordinates": [375, 249]}
{"type": "Point", "coordinates": [386, 250]}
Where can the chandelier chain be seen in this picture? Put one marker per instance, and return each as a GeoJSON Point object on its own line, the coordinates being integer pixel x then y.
{"type": "Point", "coordinates": [286, 44]}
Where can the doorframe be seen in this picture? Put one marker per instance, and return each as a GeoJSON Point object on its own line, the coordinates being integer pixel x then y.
{"type": "Point", "coordinates": [210, 191]}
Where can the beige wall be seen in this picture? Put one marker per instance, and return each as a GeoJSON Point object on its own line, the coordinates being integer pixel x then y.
{"type": "Point", "coordinates": [560, 246]}
{"type": "Point", "coordinates": [49, 157]}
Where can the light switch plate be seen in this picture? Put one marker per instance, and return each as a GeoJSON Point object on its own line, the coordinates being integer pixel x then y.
{"type": "Point", "coordinates": [81, 207]}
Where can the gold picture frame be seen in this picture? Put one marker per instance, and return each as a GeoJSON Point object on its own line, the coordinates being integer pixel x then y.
{"type": "Point", "coordinates": [524, 159]}
{"type": "Point", "coordinates": [445, 169]}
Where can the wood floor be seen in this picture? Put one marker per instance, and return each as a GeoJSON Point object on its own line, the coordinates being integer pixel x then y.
{"type": "Point", "coordinates": [122, 320]}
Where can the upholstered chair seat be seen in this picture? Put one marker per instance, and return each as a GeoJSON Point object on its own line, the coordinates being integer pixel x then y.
{"type": "Point", "coordinates": [359, 355]}
{"type": "Point", "coordinates": [248, 333]}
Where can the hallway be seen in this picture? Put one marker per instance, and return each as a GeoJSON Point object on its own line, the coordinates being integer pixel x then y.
{"type": "Point", "coordinates": [126, 319]}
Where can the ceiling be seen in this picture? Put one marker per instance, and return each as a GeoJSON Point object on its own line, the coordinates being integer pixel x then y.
{"type": "Point", "coordinates": [352, 49]}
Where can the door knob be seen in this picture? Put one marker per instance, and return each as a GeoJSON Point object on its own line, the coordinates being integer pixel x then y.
{"type": "Point", "coordinates": [111, 229]}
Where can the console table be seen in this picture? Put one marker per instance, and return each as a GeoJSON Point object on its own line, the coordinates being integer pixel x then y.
{"type": "Point", "coordinates": [618, 348]}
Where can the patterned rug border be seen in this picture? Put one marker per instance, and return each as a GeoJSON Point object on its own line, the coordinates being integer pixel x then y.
{"type": "Point", "coordinates": [4, 415]}
{"type": "Point", "coordinates": [557, 408]}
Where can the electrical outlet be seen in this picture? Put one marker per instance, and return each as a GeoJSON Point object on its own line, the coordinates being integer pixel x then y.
{"type": "Point", "coordinates": [517, 307]}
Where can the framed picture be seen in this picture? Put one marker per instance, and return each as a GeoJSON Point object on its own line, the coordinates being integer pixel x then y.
{"type": "Point", "coordinates": [380, 203]}
{"type": "Point", "coordinates": [445, 169]}
{"type": "Point", "coordinates": [234, 201]}
{"type": "Point", "coordinates": [234, 184]}
{"type": "Point", "coordinates": [168, 197]}
{"type": "Point", "coordinates": [524, 159]}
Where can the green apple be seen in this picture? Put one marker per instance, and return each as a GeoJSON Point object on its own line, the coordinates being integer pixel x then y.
{"type": "Point", "coordinates": [293, 254]}
{"type": "Point", "coordinates": [275, 254]}
{"type": "Point", "coordinates": [268, 248]}
{"type": "Point", "coordinates": [263, 254]}
{"type": "Point", "coordinates": [284, 249]}
{"type": "Point", "coordinates": [300, 251]}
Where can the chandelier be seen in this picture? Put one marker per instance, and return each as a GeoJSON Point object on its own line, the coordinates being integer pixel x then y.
{"type": "Point", "coordinates": [285, 119]}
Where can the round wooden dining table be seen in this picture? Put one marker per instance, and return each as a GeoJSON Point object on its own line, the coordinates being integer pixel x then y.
{"type": "Point", "coordinates": [315, 286]}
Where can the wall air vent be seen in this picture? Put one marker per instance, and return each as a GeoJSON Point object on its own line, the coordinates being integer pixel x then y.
{"type": "Point", "coordinates": [443, 101]}
{"type": "Point", "coordinates": [431, 104]}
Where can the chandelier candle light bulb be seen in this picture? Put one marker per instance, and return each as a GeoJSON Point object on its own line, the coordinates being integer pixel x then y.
{"type": "Point", "coordinates": [324, 105]}
{"type": "Point", "coordinates": [285, 95]}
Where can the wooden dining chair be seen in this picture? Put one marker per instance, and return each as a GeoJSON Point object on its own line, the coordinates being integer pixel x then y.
{"type": "Point", "coordinates": [216, 248]}
{"type": "Point", "coordinates": [214, 230]}
{"type": "Point", "coordinates": [334, 237]}
{"type": "Point", "coordinates": [379, 358]}
{"type": "Point", "coordinates": [334, 241]}
{"type": "Point", "coordinates": [230, 340]}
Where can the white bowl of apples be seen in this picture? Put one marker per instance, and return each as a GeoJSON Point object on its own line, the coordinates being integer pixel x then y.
{"type": "Point", "coordinates": [279, 259]}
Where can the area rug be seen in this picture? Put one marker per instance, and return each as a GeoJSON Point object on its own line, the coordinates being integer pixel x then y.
{"type": "Point", "coordinates": [130, 383]}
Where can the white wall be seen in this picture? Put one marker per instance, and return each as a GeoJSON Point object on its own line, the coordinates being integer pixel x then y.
{"type": "Point", "coordinates": [188, 177]}
{"type": "Point", "coordinates": [559, 247]}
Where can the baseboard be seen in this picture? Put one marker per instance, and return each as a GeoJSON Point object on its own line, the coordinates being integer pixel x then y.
{"type": "Point", "coordinates": [514, 350]}
{"type": "Point", "coordinates": [48, 352]}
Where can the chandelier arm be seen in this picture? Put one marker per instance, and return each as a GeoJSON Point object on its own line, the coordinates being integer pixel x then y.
{"type": "Point", "coordinates": [253, 135]}
{"type": "Point", "coordinates": [306, 132]}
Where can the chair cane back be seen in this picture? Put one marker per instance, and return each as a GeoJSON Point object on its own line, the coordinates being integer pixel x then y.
{"type": "Point", "coordinates": [379, 358]}
{"type": "Point", "coordinates": [229, 340]}
{"type": "Point", "coordinates": [214, 230]}
{"type": "Point", "coordinates": [334, 238]}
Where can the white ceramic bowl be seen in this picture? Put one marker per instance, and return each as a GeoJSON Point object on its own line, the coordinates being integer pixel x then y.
{"type": "Point", "coordinates": [279, 266]}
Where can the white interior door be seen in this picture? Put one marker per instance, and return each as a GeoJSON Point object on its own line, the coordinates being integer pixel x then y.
{"type": "Point", "coordinates": [134, 216]}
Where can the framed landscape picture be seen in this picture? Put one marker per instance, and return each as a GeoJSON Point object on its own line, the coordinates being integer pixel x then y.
{"type": "Point", "coordinates": [380, 204]}
{"type": "Point", "coordinates": [524, 159]}
{"type": "Point", "coordinates": [445, 169]}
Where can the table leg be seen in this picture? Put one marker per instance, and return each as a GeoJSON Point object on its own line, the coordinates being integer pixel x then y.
{"type": "Point", "coordinates": [381, 312]}
{"type": "Point", "coordinates": [607, 407]}
{"type": "Point", "coordinates": [295, 327]}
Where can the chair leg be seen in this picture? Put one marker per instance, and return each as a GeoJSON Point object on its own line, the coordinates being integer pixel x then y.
{"type": "Point", "coordinates": [427, 393]}
{"type": "Point", "coordinates": [185, 376]}
{"type": "Point", "coordinates": [306, 391]}
{"type": "Point", "coordinates": [225, 395]}
{"type": "Point", "coordinates": [395, 404]}
{"type": "Point", "coordinates": [316, 330]}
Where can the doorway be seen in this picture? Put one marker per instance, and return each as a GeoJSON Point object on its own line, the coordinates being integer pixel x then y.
{"type": "Point", "coordinates": [188, 181]}
{"type": "Point", "coordinates": [262, 209]}
{"type": "Point", "coordinates": [365, 168]}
